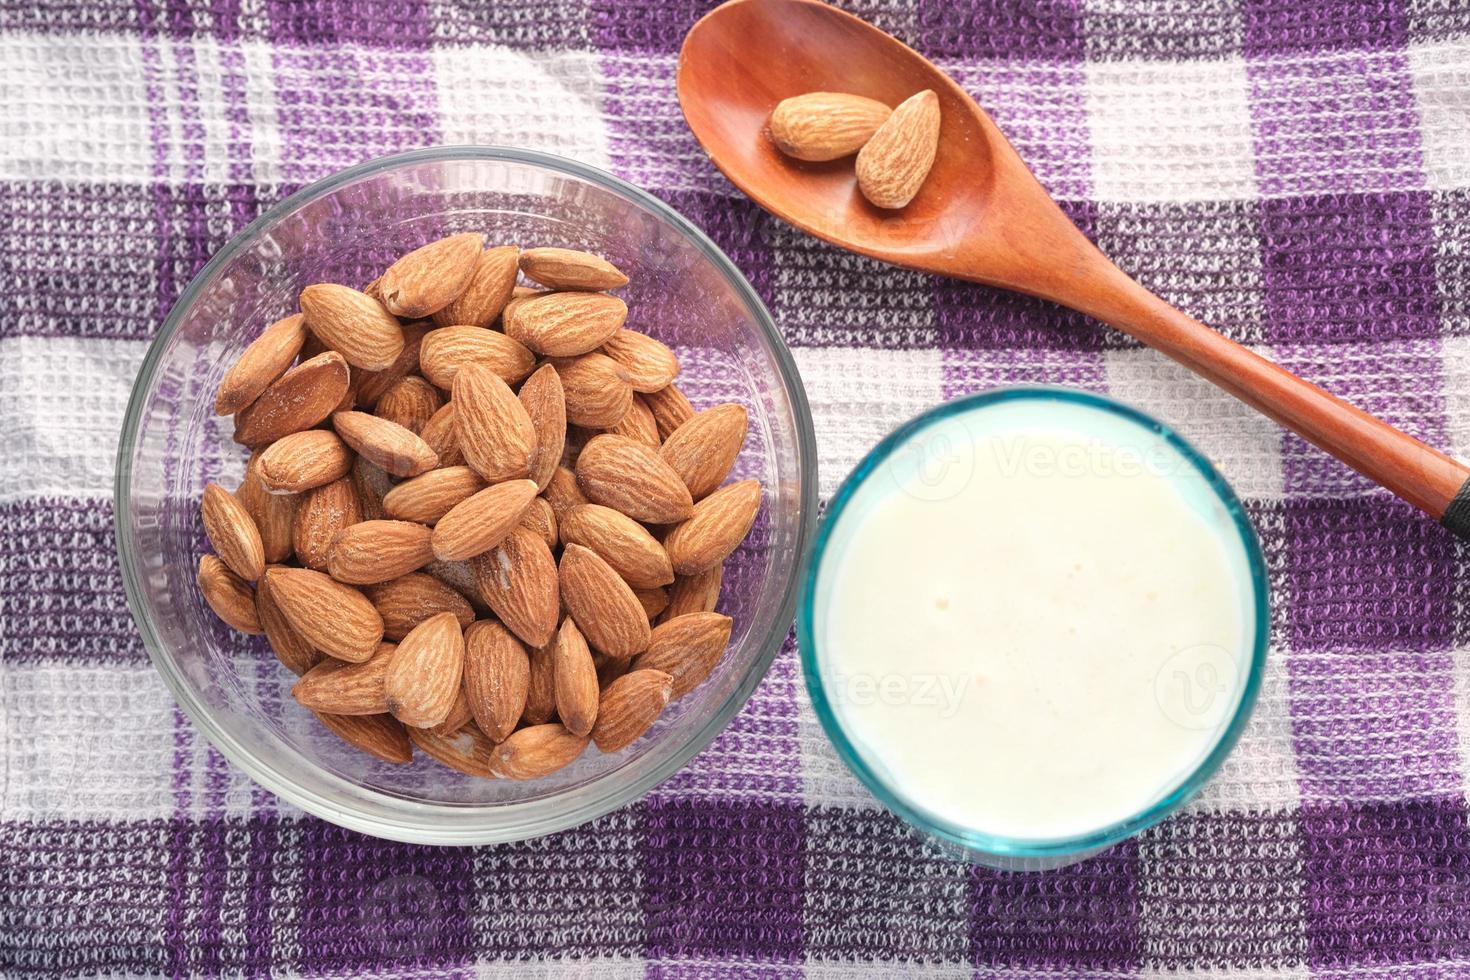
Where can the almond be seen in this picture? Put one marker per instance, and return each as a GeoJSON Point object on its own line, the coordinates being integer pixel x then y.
{"type": "Point", "coordinates": [610, 669]}
{"type": "Point", "coordinates": [892, 166]}
{"type": "Point", "coordinates": [495, 433]}
{"type": "Point", "coordinates": [603, 605]}
{"type": "Point", "coordinates": [346, 689]}
{"type": "Point", "coordinates": [639, 424]}
{"type": "Point", "coordinates": [699, 592]}
{"type": "Point", "coordinates": [424, 672]}
{"type": "Point", "coordinates": [720, 522]}
{"type": "Point", "coordinates": [621, 542]}
{"type": "Point", "coordinates": [488, 291]}
{"type": "Point", "coordinates": [335, 619]}
{"type": "Point", "coordinates": [597, 391]}
{"type": "Point", "coordinates": [497, 677]}
{"type": "Point", "coordinates": [448, 349]}
{"type": "Point", "coordinates": [574, 678]}
{"type": "Point", "coordinates": [290, 647]}
{"type": "Point", "coordinates": [353, 324]}
{"type": "Point", "coordinates": [298, 400]}
{"type": "Point", "coordinates": [670, 409]}
{"type": "Point", "coordinates": [273, 513]}
{"type": "Point", "coordinates": [431, 276]}
{"type": "Point", "coordinates": [376, 551]}
{"type": "Point", "coordinates": [262, 362]}
{"type": "Point", "coordinates": [377, 735]}
{"type": "Point", "coordinates": [630, 477]}
{"type": "Point", "coordinates": [410, 402]}
{"type": "Point", "coordinates": [459, 576]}
{"type": "Point", "coordinates": [429, 497]}
{"type": "Point", "coordinates": [372, 485]}
{"type": "Point", "coordinates": [650, 365]}
{"type": "Point", "coordinates": [467, 750]}
{"type": "Point", "coordinates": [520, 295]}
{"type": "Point", "coordinates": [629, 706]}
{"type": "Point", "coordinates": [480, 522]}
{"type": "Point", "coordinates": [348, 401]}
{"type": "Point", "coordinates": [537, 751]}
{"type": "Point", "coordinates": [372, 385]}
{"type": "Point", "coordinates": [822, 126]}
{"type": "Point", "coordinates": [323, 513]}
{"type": "Point", "coordinates": [229, 595]}
{"type": "Point", "coordinates": [232, 532]}
{"type": "Point", "coordinates": [654, 601]}
{"type": "Point", "coordinates": [540, 689]}
{"type": "Point", "coordinates": [518, 581]}
{"type": "Point", "coordinates": [687, 648]}
{"type": "Point", "coordinates": [439, 433]}
{"type": "Point", "coordinates": [565, 324]}
{"type": "Point", "coordinates": [408, 600]}
{"type": "Point", "coordinates": [703, 450]}
{"type": "Point", "coordinates": [540, 518]}
{"type": "Point", "coordinates": [546, 405]}
{"type": "Point", "coordinates": [304, 460]}
{"type": "Point", "coordinates": [385, 444]}
{"type": "Point", "coordinates": [566, 268]}
{"type": "Point", "coordinates": [459, 716]}
{"type": "Point", "coordinates": [562, 492]}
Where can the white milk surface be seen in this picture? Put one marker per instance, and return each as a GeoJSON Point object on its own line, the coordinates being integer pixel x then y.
{"type": "Point", "coordinates": [1034, 622]}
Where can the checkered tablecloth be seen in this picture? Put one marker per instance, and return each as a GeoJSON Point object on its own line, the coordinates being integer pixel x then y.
{"type": "Point", "coordinates": [1294, 172]}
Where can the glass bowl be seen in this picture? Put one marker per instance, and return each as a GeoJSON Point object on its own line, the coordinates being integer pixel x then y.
{"type": "Point", "coordinates": [931, 449]}
{"type": "Point", "coordinates": [347, 228]}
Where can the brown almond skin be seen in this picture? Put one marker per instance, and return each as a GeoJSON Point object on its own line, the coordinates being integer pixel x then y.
{"type": "Point", "coordinates": [448, 349]}
{"type": "Point", "coordinates": [821, 126]}
{"type": "Point", "coordinates": [649, 364]}
{"type": "Point", "coordinates": [424, 673]}
{"type": "Point", "coordinates": [229, 595]}
{"type": "Point", "coordinates": [346, 689]}
{"type": "Point", "coordinates": [295, 401]}
{"type": "Point", "coordinates": [703, 450]}
{"type": "Point", "coordinates": [410, 402]}
{"type": "Point", "coordinates": [670, 409]}
{"type": "Point", "coordinates": [372, 485]}
{"type": "Point", "coordinates": [467, 750]}
{"type": "Point", "coordinates": [479, 523]}
{"type": "Point", "coordinates": [546, 405]}
{"type": "Point", "coordinates": [273, 513]}
{"type": "Point", "coordinates": [372, 385]}
{"type": "Point", "coordinates": [603, 605]}
{"type": "Point", "coordinates": [334, 618]}
{"type": "Point", "coordinates": [431, 276]}
{"type": "Point", "coordinates": [699, 592]}
{"type": "Point", "coordinates": [537, 751]}
{"type": "Point", "coordinates": [370, 552]}
{"type": "Point", "coordinates": [232, 532]}
{"type": "Point", "coordinates": [387, 445]}
{"type": "Point", "coordinates": [265, 359]}
{"type": "Point", "coordinates": [892, 166]}
{"type": "Point", "coordinates": [540, 518]}
{"type": "Point", "coordinates": [629, 707]}
{"type": "Point", "coordinates": [574, 677]}
{"type": "Point", "coordinates": [562, 492]}
{"type": "Point", "coordinates": [719, 523]}
{"type": "Point", "coordinates": [459, 716]}
{"type": "Point", "coordinates": [566, 268]}
{"type": "Point", "coordinates": [631, 478]}
{"type": "Point", "coordinates": [639, 424]}
{"type": "Point", "coordinates": [487, 292]}
{"type": "Point", "coordinates": [429, 497]}
{"type": "Point", "coordinates": [565, 324]}
{"type": "Point", "coordinates": [654, 601]}
{"type": "Point", "coordinates": [687, 648]}
{"type": "Point", "coordinates": [290, 647]}
{"type": "Point", "coordinates": [518, 581]}
{"type": "Point", "coordinates": [378, 735]}
{"type": "Point", "coordinates": [596, 390]}
{"type": "Point", "coordinates": [408, 600]}
{"type": "Point", "coordinates": [541, 688]}
{"type": "Point", "coordinates": [322, 513]}
{"type": "Point", "coordinates": [353, 324]}
{"type": "Point", "coordinates": [439, 433]}
{"type": "Point", "coordinates": [494, 432]}
{"type": "Point", "coordinates": [637, 556]}
{"type": "Point", "coordinates": [497, 678]}
{"type": "Point", "coordinates": [304, 461]}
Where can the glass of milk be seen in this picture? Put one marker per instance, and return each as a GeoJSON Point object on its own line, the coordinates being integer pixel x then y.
{"type": "Point", "coordinates": [1034, 623]}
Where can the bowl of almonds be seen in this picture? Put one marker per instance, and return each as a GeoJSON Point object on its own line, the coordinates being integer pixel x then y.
{"type": "Point", "coordinates": [462, 497]}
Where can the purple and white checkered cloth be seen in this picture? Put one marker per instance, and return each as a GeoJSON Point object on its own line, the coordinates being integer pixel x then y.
{"type": "Point", "coordinates": [1294, 172]}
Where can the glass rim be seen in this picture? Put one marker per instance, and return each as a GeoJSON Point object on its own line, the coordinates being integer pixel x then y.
{"type": "Point", "coordinates": [450, 823]}
{"type": "Point", "coordinates": [999, 844]}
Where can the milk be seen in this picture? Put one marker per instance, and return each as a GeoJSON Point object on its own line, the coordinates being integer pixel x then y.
{"type": "Point", "coordinates": [1034, 620]}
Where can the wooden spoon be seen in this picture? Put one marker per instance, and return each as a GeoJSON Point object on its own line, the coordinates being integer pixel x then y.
{"type": "Point", "coordinates": [982, 216]}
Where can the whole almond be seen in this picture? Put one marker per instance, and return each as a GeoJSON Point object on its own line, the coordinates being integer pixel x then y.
{"type": "Point", "coordinates": [408, 600]}
{"type": "Point", "coordinates": [719, 523]}
{"type": "Point", "coordinates": [459, 715]}
{"type": "Point", "coordinates": [597, 391]}
{"type": "Point", "coordinates": [297, 400]}
{"type": "Point", "coordinates": [375, 551]}
{"type": "Point", "coordinates": [229, 595]}
{"type": "Point", "coordinates": [546, 405]}
{"type": "Point", "coordinates": [304, 460]}
{"type": "Point", "coordinates": [346, 689]}
{"type": "Point", "coordinates": [562, 492]}
{"type": "Point", "coordinates": [377, 735]}
{"type": "Point", "coordinates": [482, 521]}
{"type": "Point", "coordinates": [273, 513]}
{"type": "Point", "coordinates": [353, 324]}
{"type": "Point", "coordinates": [629, 706]}
{"type": "Point", "coordinates": [540, 518]}
{"type": "Point", "coordinates": [488, 291]}
{"type": "Point", "coordinates": [290, 647]}
{"type": "Point", "coordinates": [574, 678]}
{"type": "Point", "coordinates": [497, 678]}
{"type": "Point", "coordinates": [565, 324]}
{"type": "Point", "coordinates": [459, 576]}
{"type": "Point", "coordinates": [639, 424]}
{"type": "Point", "coordinates": [541, 688]}
{"type": "Point", "coordinates": [703, 450]}
{"type": "Point", "coordinates": [537, 751]}
{"type": "Point", "coordinates": [650, 365]}
{"type": "Point", "coordinates": [687, 648]}
{"type": "Point", "coordinates": [265, 359]}
{"type": "Point", "coordinates": [603, 605]}
{"type": "Point", "coordinates": [821, 126]}
{"type": "Point", "coordinates": [424, 672]}
{"type": "Point", "coordinates": [630, 477]}
{"type": "Point", "coordinates": [323, 513]}
{"type": "Point", "coordinates": [372, 385]}
{"type": "Point", "coordinates": [654, 601]}
{"type": "Point", "coordinates": [566, 268]}
{"type": "Point", "coordinates": [334, 618]}
{"type": "Point", "coordinates": [699, 592]}
{"type": "Point", "coordinates": [467, 750]}
{"type": "Point", "coordinates": [429, 497]}
{"type": "Point", "coordinates": [372, 485]}
{"type": "Point", "coordinates": [622, 542]}
{"type": "Point", "coordinates": [431, 276]}
{"type": "Point", "coordinates": [410, 402]}
{"type": "Point", "coordinates": [891, 166]}
{"type": "Point", "coordinates": [385, 444]}
{"type": "Point", "coordinates": [448, 349]}
{"type": "Point", "coordinates": [518, 581]}
{"type": "Point", "coordinates": [232, 532]}
{"type": "Point", "coordinates": [670, 409]}
{"type": "Point", "coordinates": [439, 433]}
{"type": "Point", "coordinates": [495, 433]}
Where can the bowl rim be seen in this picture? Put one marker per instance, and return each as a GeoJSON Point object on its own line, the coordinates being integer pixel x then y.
{"type": "Point", "coordinates": [425, 823]}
